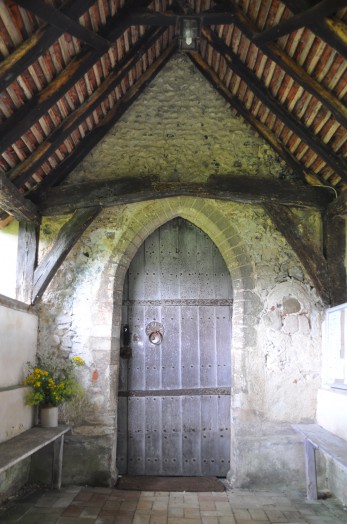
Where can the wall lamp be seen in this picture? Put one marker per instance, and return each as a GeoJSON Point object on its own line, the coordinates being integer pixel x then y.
{"type": "Point", "coordinates": [189, 31]}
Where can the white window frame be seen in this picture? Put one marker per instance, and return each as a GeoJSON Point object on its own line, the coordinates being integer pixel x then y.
{"type": "Point", "coordinates": [335, 347]}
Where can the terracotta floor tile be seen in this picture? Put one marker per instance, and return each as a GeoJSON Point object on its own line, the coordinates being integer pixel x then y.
{"type": "Point", "coordinates": [207, 505]}
{"type": "Point", "coordinates": [144, 504]}
{"type": "Point", "coordinates": [72, 511]}
{"type": "Point", "coordinates": [109, 506]}
{"type": "Point", "coordinates": [209, 520]}
{"type": "Point", "coordinates": [104, 520]}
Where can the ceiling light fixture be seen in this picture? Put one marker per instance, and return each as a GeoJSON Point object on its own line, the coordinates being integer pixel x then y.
{"type": "Point", "coordinates": [189, 33]}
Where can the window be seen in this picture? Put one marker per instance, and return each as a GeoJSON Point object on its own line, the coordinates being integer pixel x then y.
{"type": "Point", "coordinates": [335, 347]}
{"type": "Point", "coordinates": [8, 259]}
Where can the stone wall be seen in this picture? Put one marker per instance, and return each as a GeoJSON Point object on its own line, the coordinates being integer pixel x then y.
{"type": "Point", "coordinates": [276, 353]}
{"type": "Point", "coordinates": [182, 130]}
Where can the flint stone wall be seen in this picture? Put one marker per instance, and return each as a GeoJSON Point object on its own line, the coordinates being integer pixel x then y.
{"type": "Point", "coordinates": [275, 353]}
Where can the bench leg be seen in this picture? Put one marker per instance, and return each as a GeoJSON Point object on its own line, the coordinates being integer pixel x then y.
{"type": "Point", "coordinates": [311, 474]}
{"type": "Point", "coordinates": [57, 462]}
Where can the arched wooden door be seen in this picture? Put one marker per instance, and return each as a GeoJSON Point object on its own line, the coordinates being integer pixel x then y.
{"type": "Point", "coordinates": [174, 397]}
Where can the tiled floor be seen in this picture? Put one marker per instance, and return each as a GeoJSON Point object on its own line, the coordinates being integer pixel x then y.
{"type": "Point", "coordinates": [76, 505]}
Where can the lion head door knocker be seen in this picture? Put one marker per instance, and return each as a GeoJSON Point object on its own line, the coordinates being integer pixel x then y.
{"type": "Point", "coordinates": [155, 332]}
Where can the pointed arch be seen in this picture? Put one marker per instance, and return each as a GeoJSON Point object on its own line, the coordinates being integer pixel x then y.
{"type": "Point", "coordinates": [204, 214]}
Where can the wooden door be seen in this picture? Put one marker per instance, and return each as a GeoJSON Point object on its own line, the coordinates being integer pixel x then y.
{"type": "Point", "coordinates": [174, 397]}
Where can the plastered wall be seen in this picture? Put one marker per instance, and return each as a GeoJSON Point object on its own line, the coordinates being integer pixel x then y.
{"type": "Point", "coordinates": [18, 341]}
{"type": "Point", "coordinates": [18, 344]}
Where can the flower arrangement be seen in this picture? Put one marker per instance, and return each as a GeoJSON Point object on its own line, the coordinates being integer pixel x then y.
{"type": "Point", "coordinates": [52, 381]}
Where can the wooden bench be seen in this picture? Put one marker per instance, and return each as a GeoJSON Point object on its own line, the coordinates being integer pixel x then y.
{"type": "Point", "coordinates": [18, 448]}
{"type": "Point", "coordinates": [315, 437]}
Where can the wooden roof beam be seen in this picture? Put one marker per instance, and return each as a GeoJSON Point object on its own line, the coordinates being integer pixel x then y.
{"type": "Point", "coordinates": [153, 18]}
{"type": "Point", "coordinates": [26, 169]}
{"type": "Point", "coordinates": [339, 165]}
{"type": "Point", "coordinates": [67, 238]}
{"type": "Point", "coordinates": [292, 68]}
{"type": "Point", "coordinates": [66, 199]}
{"type": "Point", "coordinates": [14, 203]}
{"type": "Point", "coordinates": [27, 253]}
{"type": "Point", "coordinates": [307, 18]}
{"type": "Point", "coordinates": [64, 23]}
{"type": "Point", "coordinates": [331, 30]}
{"type": "Point", "coordinates": [58, 174]}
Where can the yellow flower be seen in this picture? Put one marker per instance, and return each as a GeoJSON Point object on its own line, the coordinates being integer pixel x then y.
{"type": "Point", "coordinates": [78, 360]}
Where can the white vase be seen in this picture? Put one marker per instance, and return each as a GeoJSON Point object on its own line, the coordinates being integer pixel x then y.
{"type": "Point", "coordinates": [49, 417]}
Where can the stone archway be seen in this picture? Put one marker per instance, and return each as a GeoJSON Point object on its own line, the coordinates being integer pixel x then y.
{"type": "Point", "coordinates": [206, 216]}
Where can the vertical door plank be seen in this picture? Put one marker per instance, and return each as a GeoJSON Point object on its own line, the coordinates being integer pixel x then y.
{"type": "Point", "coordinates": [153, 455]}
{"type": "Point", "coordinates": [188, 270]}
{"type": "Point", "coordinates": [136, 436]}
{"type": "Point", "coordinates": [209, 436]}
{"type": "Point", "coordinates": [207, 343]}
{"type": "Point", "coordinates": [170, 348]}
{"type": "Point", "coordinates": [190, 358]}
{"type": "Point", "coordinates": [191, 445]}
{"type": "Point", "coordinates": [169, 261]}
{"type": "Point", "coordinates": [171, 436]}
{"type": "Point", "coordinates": [152, 267]}
{"type": "Point", "coordinates": [152, 352]}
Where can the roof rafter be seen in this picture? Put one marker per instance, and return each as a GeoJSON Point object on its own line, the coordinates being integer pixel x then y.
{"type": "Point", "coordinates": [331, 30]}
{"type": "Point", "coordinates": [292, 68]}
{"type": "Point", "coordinates": [307, 18]}
{"type": "Point", "coordinates": [27, 168]}
{"type": "Point", "coordinates": [64, 23]}
{"type": "Point", "coordinates": [15, 126]}
{"type": "Point", "coordinates": [59, 173]}
{"type": "Point", "coordinates": [260, 91]}
{"type": "Point", "coordinates": [256, 124]}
